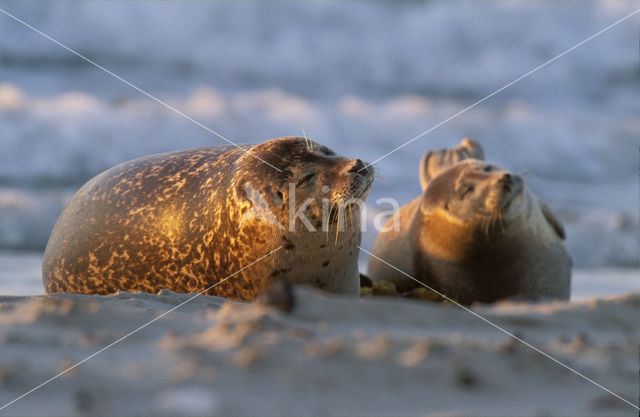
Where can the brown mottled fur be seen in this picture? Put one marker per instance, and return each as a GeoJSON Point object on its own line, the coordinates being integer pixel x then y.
{"type": "Point", "coordinates": [173, 221]}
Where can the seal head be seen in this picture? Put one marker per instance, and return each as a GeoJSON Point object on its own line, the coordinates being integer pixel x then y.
{"type": "Point", "coordinates": [473, 190]}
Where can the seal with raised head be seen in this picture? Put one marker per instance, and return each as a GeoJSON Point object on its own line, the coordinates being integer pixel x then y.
{"type": "Point", "coordinates": [187, 220]}
{"type": "Point", "coordinates": [476, 234]}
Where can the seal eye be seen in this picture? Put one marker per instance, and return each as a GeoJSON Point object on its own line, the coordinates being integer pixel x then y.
{"type": "Point", "coordinates": [488, 168]}
{"type": "Point", "coordinates": [469, 189]}
{"type": "Point", "coordinates": [306, 179]}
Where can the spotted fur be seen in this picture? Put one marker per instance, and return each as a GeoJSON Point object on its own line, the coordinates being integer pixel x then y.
{"type": "Point", "coordinates": [173, 221]}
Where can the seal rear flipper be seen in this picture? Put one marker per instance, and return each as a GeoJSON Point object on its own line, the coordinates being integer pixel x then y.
{"type": "Point", "coordinates": [553, 221]}
{"type": "Point", "coordinates": [434, 162]}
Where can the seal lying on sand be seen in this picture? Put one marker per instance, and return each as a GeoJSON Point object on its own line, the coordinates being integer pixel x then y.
{"type": "Point", "coordinates": [476, 234]}
{"type": "Point", "coordinates": [186, 220]}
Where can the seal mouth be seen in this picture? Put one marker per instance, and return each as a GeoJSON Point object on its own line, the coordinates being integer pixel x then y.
{"type": "Point", "coordinates": [352, 201]}
{"type": "Point", "coordinates": [351, 198]}
{"type": "Point", "coordinates": [351, 206]}
{"type": "Point", "coordinates": [364, 189]}
{"type": "Point", "coordinates": [337, 211]}
{"type": "Point", "coordinates": [503, 194]}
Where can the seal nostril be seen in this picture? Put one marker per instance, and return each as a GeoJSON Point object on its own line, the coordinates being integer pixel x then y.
{"type": "Point", "coordinates": [359, 167]}
{"type": "Point", "coordinates": [506, 181]}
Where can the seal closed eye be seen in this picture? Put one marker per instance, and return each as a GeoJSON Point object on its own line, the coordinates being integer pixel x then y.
{"type": "Point", "coordinates": [476, 234]}
{"type": "Point", "coordinates": [187, 220]}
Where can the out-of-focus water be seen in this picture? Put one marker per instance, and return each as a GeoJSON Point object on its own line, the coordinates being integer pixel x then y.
{"type": "Point", "coordinates": [362, 78]}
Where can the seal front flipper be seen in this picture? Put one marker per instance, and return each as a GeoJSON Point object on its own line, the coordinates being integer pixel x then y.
{"type": "Point", "coordinates": [395, 246]}
{"type": "Point", "coordinates": [434, 162]}
{"type": "Point", "coordinates": [553, 221]}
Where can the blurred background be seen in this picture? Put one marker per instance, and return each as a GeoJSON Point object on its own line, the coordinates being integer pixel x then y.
{"type": "Point", "coordinates": [359, 77]}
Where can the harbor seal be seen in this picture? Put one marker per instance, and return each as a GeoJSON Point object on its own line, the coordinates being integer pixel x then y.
{"type": "Point", "coordinates": [477, 234]}
{"type": "Point", "coordinates": [187, 220]}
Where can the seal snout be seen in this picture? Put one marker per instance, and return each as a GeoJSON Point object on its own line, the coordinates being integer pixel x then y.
{"type": "Point", "coordinates": [510, 183]}
{"type": "Point", "coordinates": [360, 167]}
{"type": "Point", "coordinates": [508, 186]}
{"type": "Point", "coordinates": [361, 177]}
{"type": "Point", "coordinates": [506, 181]}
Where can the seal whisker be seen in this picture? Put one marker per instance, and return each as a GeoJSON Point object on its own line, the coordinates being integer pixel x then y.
{"type": "Point", "coordinates": [526, 173]}
{"type": "Point", "coordinates": [329, 219]}
{"type": "Point", "coordinates": [308, 142]}
{"type": "Point", "coordinates": [380, 178]}
{"type": "Point", "coordinates": [500, 222]}
{"type": "Point", "coordinates": [487, 226]}
{"type": "Point", "coordinates": [375, 169]}
{"type": "Point", "coordinates": [529, 179]}
{"type": "Point", "coordinates": [340, 214]}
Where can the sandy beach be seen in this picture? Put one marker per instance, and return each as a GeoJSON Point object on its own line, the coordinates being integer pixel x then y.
{"type": "Point", "coordinates": [329, 356]}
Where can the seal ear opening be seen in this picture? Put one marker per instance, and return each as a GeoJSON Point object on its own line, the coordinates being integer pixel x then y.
{"type": "Point", "coordinates": [553, 221]}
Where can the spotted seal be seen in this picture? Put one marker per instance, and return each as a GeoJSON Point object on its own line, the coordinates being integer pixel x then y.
{"type": "Point", "coordinates": [476, 234]}
{"type": "Point", "coordinates": [187, 220]}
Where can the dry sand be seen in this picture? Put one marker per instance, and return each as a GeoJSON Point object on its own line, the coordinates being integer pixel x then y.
{"type": "Point", "coordinates": [330, 356]}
